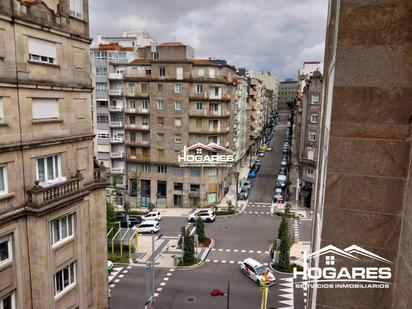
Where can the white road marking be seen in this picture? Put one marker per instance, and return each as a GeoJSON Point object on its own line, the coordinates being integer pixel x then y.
{"type": "Point", "coordinates": [171, 269]}
{"type": "Point", "coordinates": [121, 276]}
{"type": "Point", "coordinates": [112, 285]}
{"type": "Point", "coordinates": [168, 274]}
{"type": "Point", "coordinates": [215, 261]}
{"type": "Point", "coordinates": [251, 251]}
{"type": "Point", "coordinates": [125, 271]}
{"type": "Point", "coordinates": [159, 289]}
{"type": "Point", "coordinates": [156, 294]}
{"type": "Point", "coordinates": [258, 251]}
{"type": "Point", "coordinates": [239, 262]}
{"type": "Point", "coordinates": [213, 249]}
{"type": "Point", "coordinates": [227, 250]}
{"type": "Point", "coordinates": [162, 283]}
{"type": "Point", "coordinates": [220, 249]}
{"type": "Point", "coordinates": [207, 261]}
{"type": "Point", "coordinates": [166, 279]}
{"type": "Point", "coordinates": [129, 267]}
{"type": "Point", "coordinates": [116, 280]}
{"type": "Point", "coordinates": [223, 261]}
{"type": "Point", "coordinates": [266, 252]}
{"type": "Point", "coordinates": [243, 251]}
{"type": "Point", "coordinates": [231, 262]}
{"type": "Point", "coordinates": [235, 250]}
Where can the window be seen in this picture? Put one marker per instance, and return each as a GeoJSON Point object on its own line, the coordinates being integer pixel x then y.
{"type": "Point", "coordinates": [145, 121]}
{"type": "Point", "coordinates": [48, 168]}
{"type": "Point", "coordinates": [212, 73]}
{"type": "Point", "coordinates": [132, 136]}
{"type": "Point", "coordinates": [155, 55]}
{"type": "Point", "coordinates": [45, 108]}
{"type": "Point", "coordinates": [315, 99]}
{"type": "Point", "coordinates": [132, 104]}
{"type": "Point", "coordinates": [178, 88]}
{"type": "Point", "coordinates": [42, 51]}
{"type": "Point", "coordinates": [159, 87]}
{"type": "Point", "coordinates": [195, 171]}
{"type": "Point", "coordinates": [146, 168]}
{"type": "Point", "coordinates": [178, 138]}
{"type": "Point", "coordinates": [161, 153]}
{"type": "Point", "coordinates": [8, 302]}
{"type": "Point", "coordinates": [179, 73]}
{"type": "Point", "coordinates": [314, 118]}
{"type": "Point", "coordinates": [201, 72]}
{"type": "Point", "coordinates": [148, 72]}
{"type": "Point", "coordinates": [199, 88]}
{"type": "Point", "coordinates": [161, 169]}
{"type": "Point", "coordinates": [161, 189]}
{"type": "Point", "coordinates": [132, 120]}
{"type": "Point", "coordinates": [161, 121]}
{"type": "Point", "coordinates": [145, 105]}
{"type": "Point", "coordinates": [178, 105]}
{"type": "Point", "coordinates": [160, 137]}
{"type": "Point", "coordinates": [160, 104]}
{"type": "Point", "coordinates": [212, 171]}
{"type": "Point", "coordinates": [312, 137]}
{"type": "Point", "coordinates": [199, 105]}
{"type": "Point", "coordinates": [178, 122]}
{"type": "Point", "coordinates": [178, 186]}
{"type": "Point", "coordinates": [6, 249]}
{"type": "Point", "coordinates": [65, 279]}
{"type": "Point", "coordinates": [102, 118]}
{"type": "Point", "coordinates": [101, 86]}
{"type": "Point", "coordinates": [76, 8]}
{"type": "Point", "coordinates": [162, 71]}
{"type": "Point", "coordinates": [310, 172]}
{"type": "Point", "coordinates": [145, 136]}
{"type": "Point", "coordinates": [3, 180]}
{"type": "Point", "coordinates": [199, 123]}
{"type": "Point", "coordinates": [103, 134]}
{"type": "Point", "coordinates": [143, 88]}
{"type": "Point", "coordinates": [102, 104]}
{"type": "Point", "coordinates": [131, 87]}
{"type": "Point", "coordinates": [178, 171]}
{"type": "Point", "coordinates": [62, 228]}
{"type": "Point", "coordinates": [311, 155]}
{"type": "Point", "coordinates": [101, 71]}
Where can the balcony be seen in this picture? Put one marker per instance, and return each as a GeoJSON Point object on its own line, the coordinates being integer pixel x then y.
{"type": "Point", "coordinates": [193, 112]}
{"type": "Point", "coordinates": [143, 111]}
{"type": "Point", "coordinates": [117, 140]}
{"type": "Point", "coordinates": [138, 143]}
{"type": "Point", "coordinates": [137, 127]}
{"type": "Point", "coordinates": [116, 76]}
{"type": "Point", "coordinates": [115, 92]}
{"type": "Point", "coordinates": [117, 170]}
{"type": "Point", "coordinates": [138, 158]}
{"type": "Point", "coordinates": [117, 155]}
{"type": "Point", "coordinates": [114, 109]}
{"type": "Point", "coordinates": [116, 124]}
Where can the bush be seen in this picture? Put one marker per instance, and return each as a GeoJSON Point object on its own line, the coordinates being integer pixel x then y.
{"type": "Point", "coordinates": [189, 251]}
{"type": "Point", "coordinates": [200, 229]}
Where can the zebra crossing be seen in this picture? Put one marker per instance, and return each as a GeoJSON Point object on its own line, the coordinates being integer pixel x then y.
{"type": "Point", "coordinates": [257, 208]}
{"type": "Point", "coordinates": [117, 274]}
{"type": "Point", "coordinates": [286, 298]}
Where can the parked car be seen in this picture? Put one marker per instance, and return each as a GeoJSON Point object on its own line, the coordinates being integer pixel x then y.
{"type": "Point", "coordinates": [283, 171]}
{"type": "Point", "coordinates": [285, 149]}
{"type": "Point", "coordinates": [256, 271]}
{"type": "Point", "coordinates": [270, 148]}
{"type": "Point", "coordinates": [252, 174]}
{"type": "Point", "coordinates": [152, 216]}
{"type": "Point", "coordinates": [289, 124]}
{"type": "Point", "coordinates": [133, 220]}
{"type": "Point", "coordinates": [284, 161]}
{"type": "Point", "coordinates": [278, 196]}
{"type": "Point", "coordinates": [244, 193]}
{"type": "Point", "coordinates": [247, 184]}
{"type": "Point", "coordinates": [148, 227]}
{"type": "Point", "coordinates": [207, 215]}
{"type": "Point", "coordinates": [281, 181]}
{"type": "Point", "coordinates": [261, 154]}
{"type": "Point", "coordinates": [263, 147]}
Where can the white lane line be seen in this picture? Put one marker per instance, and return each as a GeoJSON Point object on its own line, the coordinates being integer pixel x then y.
{"type": "Point", "coordinates": [239, 262]}
{"type": "Point", "coordinates": [166, 279]}
{"type": "Point", "coordinates": [223, 261]}
{"type": "Point", "coordinates": [258, 205]}
{"type": "Point", "coordinates": [129, 267]}
{"type": "Point", "coordinates": [251, 251]}
{"type": "Point", "coordinates": [159, 289]}
{"type": "Point", "coordinates": [258, 251]}
{"type": "Point", "coordinates": [268, 212]}
{"type": "Point", "coordinates": [121, 276]}
{"type": "Point", "coordinates": [172, 269]}
{"type": "Point", "coordinates": [117, 280]}
{"type": "Point", "coordinates": [162, 283]}
{"type": "Point", "coordinates": [266, 252]}
{"type": "Point", "coordinates": [125, 271]}
{"type": "Point", "coordinates": [156, 294]}
{"type": "Point", "coordinates": [213, 249]}
{"type": "Point", "coordinates": [243, 251]}
{"type": "Point", "coordinates": [168, 274]}
{"type": "Point", "coordinates": [112, 285]}
{"type": "Point", "coordinates": [231, 262]}
{"type": "Point", "coordinates": [227, 250]}
{"type": "Point", "coordinates": [207, 261]}
{"type": "Point", "coordinates": [262, 212]}
{"type": "Point", "coordinates": [215, 261]}
{"type": "Point", "coordinates": [236, 250]}
{"type": "Point", "coordinates": [220, 249]}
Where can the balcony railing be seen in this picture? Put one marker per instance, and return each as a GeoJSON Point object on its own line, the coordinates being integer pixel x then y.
{"type": "Point", "coordinates": [117, 155]}
{"type": "Point", "coordinates": [117, 170]}
{"type": "Point", "coordinates": [39, 195]}
{"type": "Point", "coordinates": [117, 76]}
{"type": "Point", "coordinates": [116, 124]}
{"type": "Point", "coordinates": [137, 127]}
{"type": "Point", "coordinates": [116, 108]}
{"type": "Point", "coordinates": [116, 140]}
{"type": "Point", "coordinates": [138, 143]}
{"type": "Point", "coordinates": [115, 92]}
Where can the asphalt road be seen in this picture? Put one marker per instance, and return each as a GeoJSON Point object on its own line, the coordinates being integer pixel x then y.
{"type": "Point", "coordinates": [236, 238]}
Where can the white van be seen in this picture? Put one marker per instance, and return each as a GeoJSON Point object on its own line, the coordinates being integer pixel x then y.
{"type": "Point", "coordinates": [152, 216]}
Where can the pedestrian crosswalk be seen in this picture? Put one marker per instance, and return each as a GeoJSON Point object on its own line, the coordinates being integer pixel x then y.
{"type": "Point", "coordinates": [117, 274]}
{"type": "Point", "coordinates": [257, 208]}
{"type": "Point", "coordinates": [239, 250]}
{"type": "Point", "coordinates": [286, 293]}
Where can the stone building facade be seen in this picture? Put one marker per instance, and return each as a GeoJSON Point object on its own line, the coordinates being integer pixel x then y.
{"type": "Point", "coordinates": [307, 132]}
{"type": "Point", "coordinates": [52, 200]}
{"type": "Point", "coordinates": [173, 100]}
{"type": "Point", "coordinates": [288, 92]}
{"type": "Point", "coordinates": [364, 186]}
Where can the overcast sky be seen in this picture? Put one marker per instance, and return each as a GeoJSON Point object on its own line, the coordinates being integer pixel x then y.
{"type": "Point", "coordinates": [267, 35]}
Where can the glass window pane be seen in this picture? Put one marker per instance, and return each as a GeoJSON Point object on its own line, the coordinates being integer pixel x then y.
{"type": "Point", "coordinates": [56, 231]}
{"type": "Point", "coordinates": [2, 180]}
{"type": "Point", "coordinates": [49, 168]}
{"type": "Point", "coordinates": [4, 250]}
{"type": "Point", "coordinates": [59, 283]}
{"type": "Point", "coordinates": [40, 170]}
{"type": "Point", "coordinates": [66, 277]}
{"type": "Point", "coordinates": [64, 227]}
{"type": "Point", "coordinates": [70, 225]}
{"type": "Point", "coordinates": [72, 273]}
{"type": "Point", "coordinates": [56, 166]}
{"type": "Point", "coordinates": [7, 302]}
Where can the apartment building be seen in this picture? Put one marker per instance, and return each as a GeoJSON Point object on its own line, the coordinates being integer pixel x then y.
{"type": "Point", "coordinates": [271, 83]}
{"type": "Point", "coordinates": [288, 92]}
{"type": "Point", "coordinates": [307, 127]}
{"type": "Point", "coordinates": [363, 190]}
{"type": "Point", "coordinates": [256, 113]}
{"type": "Point", "coordinates": [110, 59]}
{"type": "Point", "coordinates": [52, 200]}
{"type": "Point", "coordinates": [173, 100]}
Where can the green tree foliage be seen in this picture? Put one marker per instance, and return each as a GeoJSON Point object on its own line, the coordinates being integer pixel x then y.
{"type": "Point", "coordinates": [284, 247]}
{"type": "Point", "coordinates": [110, 215]}
{"type": "Point", "coordinates": [200, 229]}
{"type": "Point", "coordinates": [189, 250]}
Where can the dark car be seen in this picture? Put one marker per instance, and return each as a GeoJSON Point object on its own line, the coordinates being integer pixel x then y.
{"type": "Point", "coordinates": [283, 171]}
{"type": "Point", "coordinates": [133, 220]}
{"type": "Point", "coordinates": [256, 167]}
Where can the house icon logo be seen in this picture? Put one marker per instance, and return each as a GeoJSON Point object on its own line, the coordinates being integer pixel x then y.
{"type": "Point", "coordinates": [210, 155]}
{"type": "Point", "coordinates": [357, 274]}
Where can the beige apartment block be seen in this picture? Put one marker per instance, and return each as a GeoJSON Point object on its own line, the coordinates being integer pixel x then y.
{"type": "Point", "coordinates": [173, 100]}
{"type": "Point", "coordinates": [307, 132]}
{"type": "Point", "coordinates": [52, 200]}
{"type": "Point", "coordinates": [364, 186]}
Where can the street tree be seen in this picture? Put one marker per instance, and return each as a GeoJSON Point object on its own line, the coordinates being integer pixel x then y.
{"type": "Point", "coordinates": [189, 250]}
{"type": "Point", "coordinates": [200, 229]}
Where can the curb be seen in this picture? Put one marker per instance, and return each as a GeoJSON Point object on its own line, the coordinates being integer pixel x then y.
{"type": "Point", "coordinates": [279, 272]}
{"type": "Point", "coordinates": [212, 243]}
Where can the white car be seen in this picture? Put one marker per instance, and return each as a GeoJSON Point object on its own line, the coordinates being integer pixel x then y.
{"type": "Point", "coordinates": [148, 227]}
{"type": "Point", "coordinates": [207, 215]}
{"type": "Point", "coordinates": [152, 216]}
{"type": "Point", "coordinates": [256, 271]}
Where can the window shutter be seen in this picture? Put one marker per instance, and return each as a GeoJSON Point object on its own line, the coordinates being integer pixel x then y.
{"type": "Point", "coordinates": [42, 48]}
{"type": "Point", "coordinates": [45, 108]}
{"type": "Point", "coordinates": [179, 73]}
